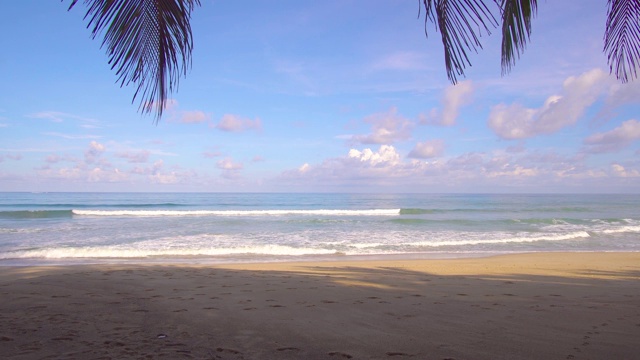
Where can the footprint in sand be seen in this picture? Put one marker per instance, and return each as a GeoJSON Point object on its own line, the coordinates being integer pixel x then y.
{"type": "Point", "coordinates": [391, 353]}
{"type": "Point", "coordinates": [232, 351]}
{"type": "Point", "coordinates": [288, 349]}
{"type": "Point", "coordinates": [340, 354]}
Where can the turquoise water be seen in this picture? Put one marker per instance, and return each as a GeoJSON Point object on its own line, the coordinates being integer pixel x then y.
{"type": "Point", "coordinates": [51, 228]}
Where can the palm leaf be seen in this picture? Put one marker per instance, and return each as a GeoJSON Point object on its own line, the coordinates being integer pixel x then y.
{"type": "Point", "coordinates": [622, 38]}
{"type": "Point", "coordinates": [460, 23]}
{"type": "Point", "coordinates": [148, 42]}
{"type": "Point", "coordinates": [516, 29]}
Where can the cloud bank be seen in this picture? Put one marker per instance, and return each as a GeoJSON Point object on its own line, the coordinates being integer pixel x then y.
{"type": "Point", "coordinates": [558, 111]}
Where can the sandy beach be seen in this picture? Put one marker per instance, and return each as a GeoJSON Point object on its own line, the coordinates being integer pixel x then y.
{"type": "Point", "coordinates": [527, 306]}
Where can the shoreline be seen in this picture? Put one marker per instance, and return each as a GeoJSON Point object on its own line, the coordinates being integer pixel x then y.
{"type": "Point", "coordinates": [206, 260]}
{"type": "Point", "coordinates": [560, 305]}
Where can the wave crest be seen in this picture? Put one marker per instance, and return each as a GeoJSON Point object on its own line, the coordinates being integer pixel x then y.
{"type": "Point", "coordinates": [149, 213]}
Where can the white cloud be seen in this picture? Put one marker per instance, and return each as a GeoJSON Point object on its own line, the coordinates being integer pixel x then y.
{"type": "Point", "coordinates": [615, 139]}
{"type": "Point", "coordinates": [64, 173]}
{"type": "Point", "coordinates": [620, 171]}
{"type": "Point", "coordinates": [385, 156]}
{"type": "Point", "coordinates": [93, 153]}
{"type": "Point", "coordinates": [427, 149]}
{"type": "Point", "coordinates": [360, 166]}
{"type": "Point", "coordinates": [235, 123]}
{"type": "Point", "coordinates": [193, 117]}
{"type": "Point", "coordinates": [172, 108]}
{"type": "Point", "coordinates": [230, 169]}
{"type": "Point", "coordinates": [169, 178]}
{"type": "Point", "coordinates": [304, 168]}
{"type": "Point", "coordinates": [228, 164]}
{"type": "Point", "coordinates": [100, 175]}
{"type": "Point", "coordinates": [157, 175]}
{"type": "Point", "coordinates": [82, 173]}
{"type": "Point", "coordinates": [513, 171]}
{"type": "Point", "coordinates": [619, 94]}
{"type": "Point", "coordinates": [455, 96]}
{"type": "Point", "coordinates": [518, 122]}
{"type": "Point", "coordinates": [95, 168]}
{"type": "Point", "coordinates": [386, 127]}
{"type": "Point", "coordinates": [386, 168]}
{"type": "Point", "coordinates": [135, 156]}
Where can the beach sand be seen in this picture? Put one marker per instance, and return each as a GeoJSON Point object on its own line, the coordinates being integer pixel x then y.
{"type": "Point", "coordinates": [527, 306]}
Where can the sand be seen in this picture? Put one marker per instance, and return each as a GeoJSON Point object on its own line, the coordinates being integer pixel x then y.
{"type": "Point", "coordinates": [528, 306]}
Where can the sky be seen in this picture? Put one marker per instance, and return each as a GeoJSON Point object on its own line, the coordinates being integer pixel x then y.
{"type": "Point", "coordinates": [319, 96]}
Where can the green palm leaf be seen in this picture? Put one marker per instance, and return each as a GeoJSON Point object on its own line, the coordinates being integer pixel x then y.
{"type": "Point", "coordinates": [460, 23]}
{"type": "Point", "coordinates": [516, 29]}
{"type": "Point", "coordinates": [148, 42]}
{"type": "Point", "coordinates": [622, 38]}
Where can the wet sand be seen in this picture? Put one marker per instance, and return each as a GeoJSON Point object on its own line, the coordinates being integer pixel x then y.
{"type": "Point", "coordinates": [527, 306]}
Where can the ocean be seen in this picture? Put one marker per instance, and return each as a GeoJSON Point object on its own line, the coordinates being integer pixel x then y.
{"type": "Point", "coordinates": [82, 228]}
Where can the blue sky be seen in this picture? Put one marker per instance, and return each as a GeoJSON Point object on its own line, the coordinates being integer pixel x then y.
{"type": "Point", "coordinates": [330, 96]}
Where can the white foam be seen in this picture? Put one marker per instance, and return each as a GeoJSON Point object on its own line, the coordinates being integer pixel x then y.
{"type": "Point", "coordinates": [370, 212]}
{"type": "Point", "coordinates": [517, 239]}
{"type": "Point", "coordinates": [367, 245]}
{"type": "Point", "coordinates": [622, 229]}
{"type": "Point", "coordinates": [120, 252]}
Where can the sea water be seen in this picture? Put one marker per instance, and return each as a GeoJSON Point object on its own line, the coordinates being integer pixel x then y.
{"type": "Point", "coordinates": [62, 228]}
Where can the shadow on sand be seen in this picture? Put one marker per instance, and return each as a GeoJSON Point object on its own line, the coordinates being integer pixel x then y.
{"type": "Point", "coordinates": [315, 312]}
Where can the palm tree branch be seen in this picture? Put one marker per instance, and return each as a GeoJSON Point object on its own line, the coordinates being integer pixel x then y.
{"type": "Point", "coordinates": [516, 29]}
{"type": "Point", "coordinates": [460, 23]}
{"type": "Point", "coordinates": [149, 43]}
{"type": "Point", "coordinates": [622, 38]}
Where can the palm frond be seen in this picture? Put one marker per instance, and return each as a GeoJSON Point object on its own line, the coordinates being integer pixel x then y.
{"type": "Point", "coordinates": [516, 29]}
{"type": "Point", "coordinates": [460, 23]}
{"type": "Point", "coordinates": [148, 42]}
{"type": "Point", "coordinates": [622, 38]}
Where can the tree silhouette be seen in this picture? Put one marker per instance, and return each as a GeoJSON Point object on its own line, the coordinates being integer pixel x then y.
{"type": "Point", "coordinates": [149, 42]}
